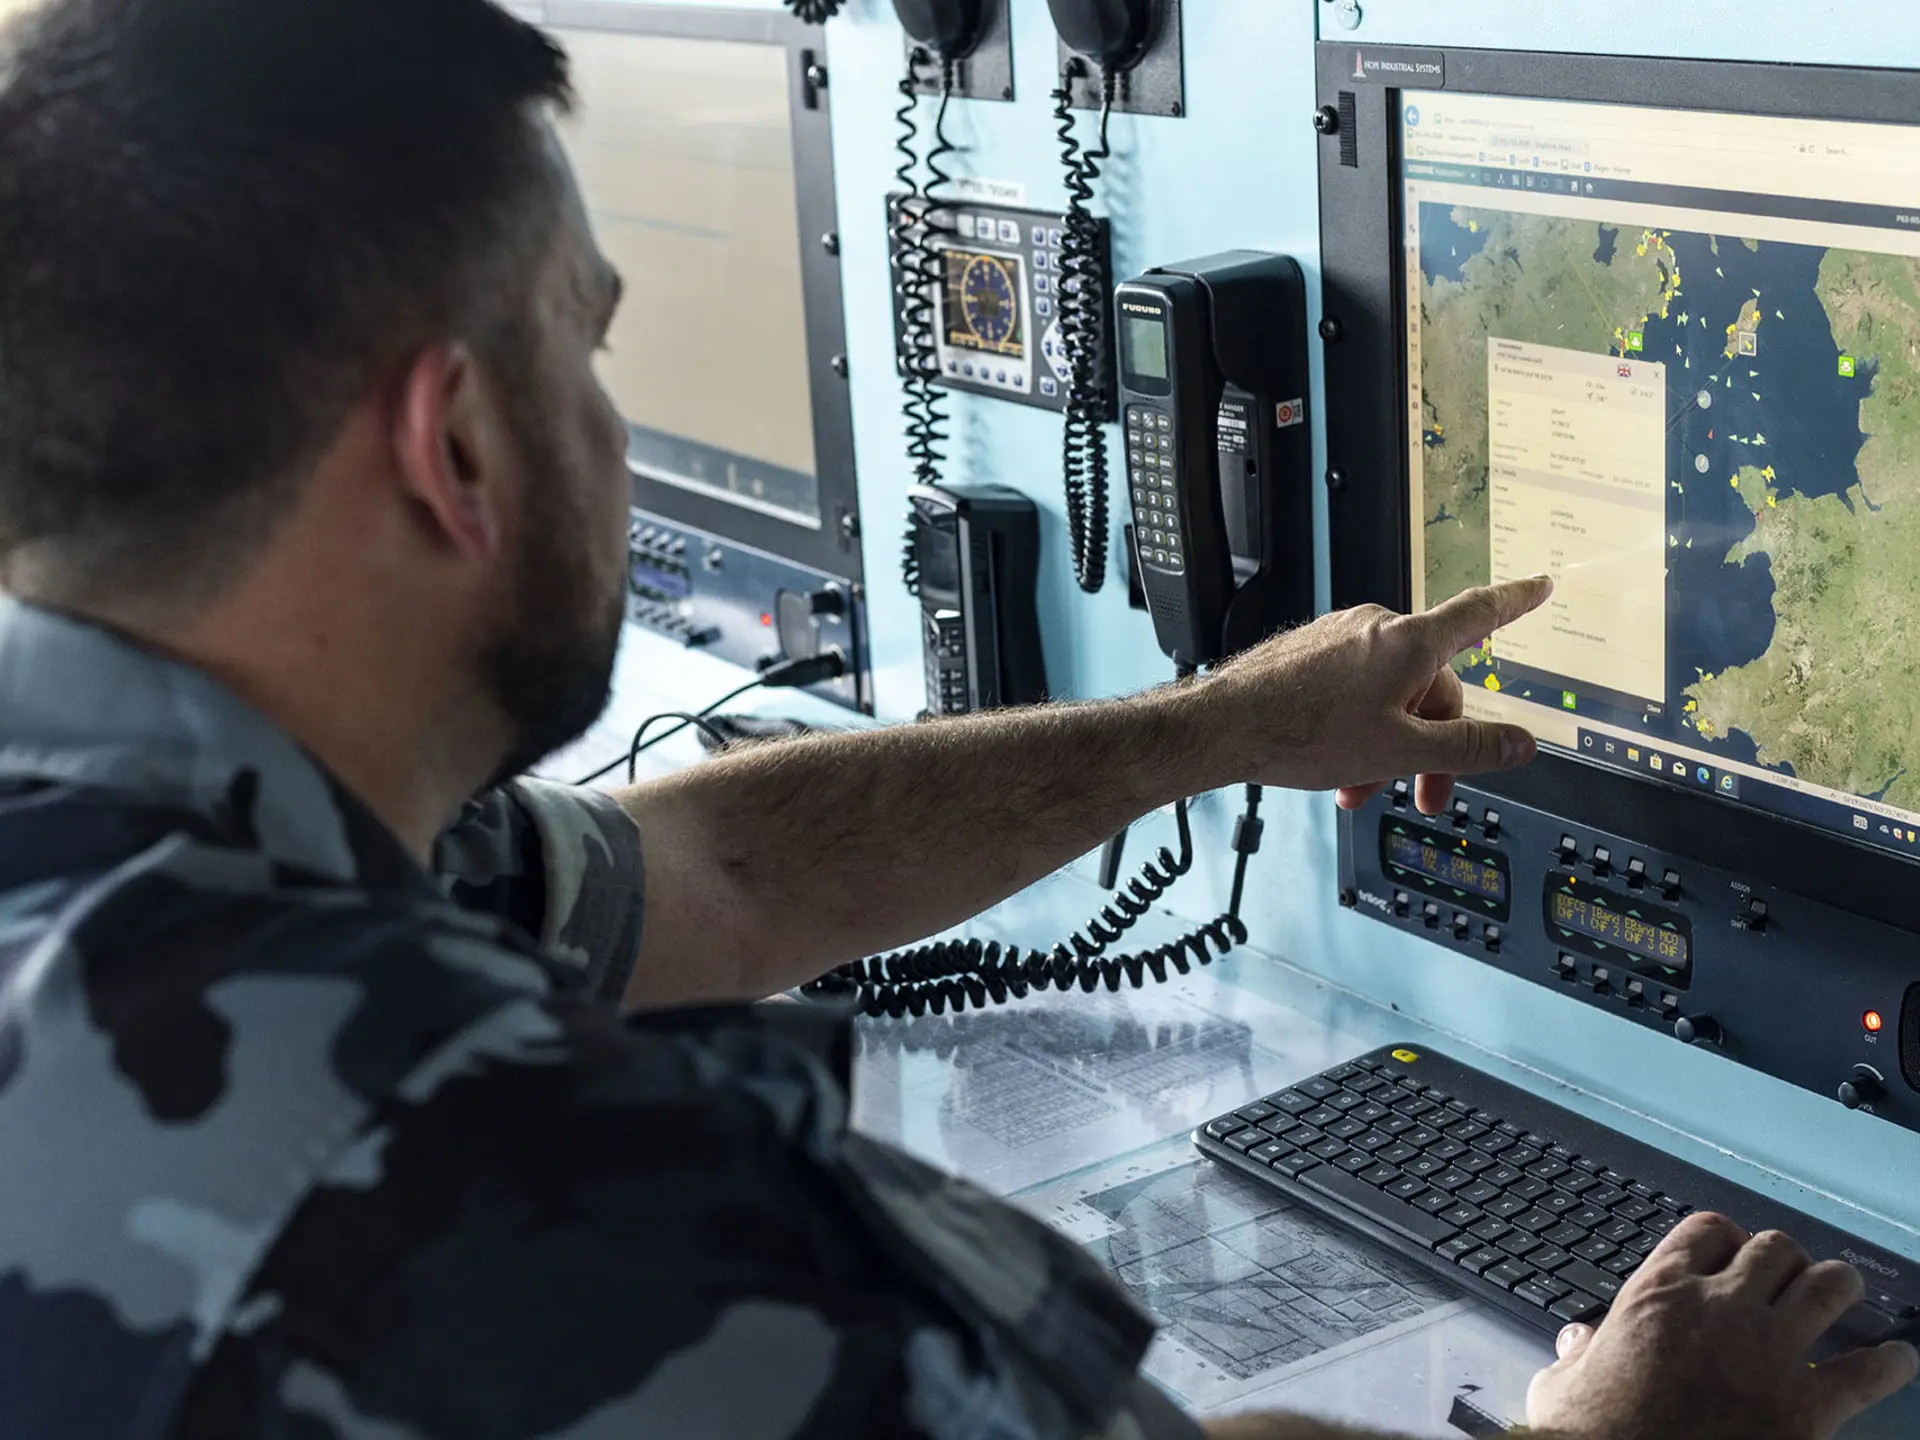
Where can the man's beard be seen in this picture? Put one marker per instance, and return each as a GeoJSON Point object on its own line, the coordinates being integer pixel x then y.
{"type": "Point", "coordinates": [550, 668]}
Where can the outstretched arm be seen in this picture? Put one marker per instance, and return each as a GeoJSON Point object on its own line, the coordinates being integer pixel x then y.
{"type": "Point", "coordinates": [766, 868]}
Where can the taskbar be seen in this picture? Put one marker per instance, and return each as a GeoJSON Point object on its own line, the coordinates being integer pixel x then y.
{"type": "Point", "coordinates": [1863, 822]}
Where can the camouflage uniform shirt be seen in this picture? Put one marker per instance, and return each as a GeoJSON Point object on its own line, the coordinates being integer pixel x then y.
{"type": "Point", "coordinates": [298, 1140]}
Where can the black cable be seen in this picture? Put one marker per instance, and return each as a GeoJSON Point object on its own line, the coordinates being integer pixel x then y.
{"type": "Point", "coordinates": [918, 219]}
{"type": "Point", "coordinates": [957, 974]}
{"type": "Point", "coordinates": [694, 719]}
{"type": "Point", "coordinates": [1083, 323]}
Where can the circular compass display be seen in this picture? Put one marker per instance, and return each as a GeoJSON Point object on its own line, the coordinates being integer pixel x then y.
{"type": "Point", "coordinates": [990, 303]}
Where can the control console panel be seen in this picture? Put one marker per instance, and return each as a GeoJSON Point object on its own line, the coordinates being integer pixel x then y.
{"type": "Point", "coordinates": [744, 605]}
{"type": "Point", "coordinates": [1806, 992]}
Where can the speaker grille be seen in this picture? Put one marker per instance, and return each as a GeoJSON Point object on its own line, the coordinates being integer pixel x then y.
{"type": "Point", "coordinates": [1910, 1036]}
{"type": "Point", "coordinates": [1349, 130]}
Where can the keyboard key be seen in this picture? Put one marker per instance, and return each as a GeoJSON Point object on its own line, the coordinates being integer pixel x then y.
{"type": "Point", "coordinates": [1577, 1309]}
{"type": "Point", "coordinates": [1643, 1244]}
{"type": "Point", "coordinates": [1537, 1221]}
{"type": "Point", "coordinates": [1403, 1220]}
{"type": "Point", "coordinates": [1253, 1114]}
{"type": "Point", "coordinates": [1538, 1292]}
{"type": "Point", "coordinates": [1508, 1206]}
{"type": "Point", "coordinates": [1507, 1127]}
{"type": "Point", "coordinates": [1635, 1209]}
{"type": "Point", "coordinates": [1372, 1114]}
{"type": "Point", "coordinates": [1380, 1176]}
{"type": "Point", "coordinates": [1406, 1187]}
{"type": "Point", "coordinates": [1565, 1235]}
{"type": "Point", "coordinates": [1424, 1166]}
{"type": "Point", "coordinates": [1606, 1197]}
{"type": "Point", "coordinates": [1366, 1084]}
{"type": "Point", "coordinates": [1319, 1087]}
{"type": "Point", "coordinates": [1421, 1137]}
{"type": "Point", "coordinates": [1417, 1109]}
{"type": "Point", "coordinates": [1661, 1224]}
{"type": "Point", "coordinates": [1548, 1257]}
{"type": "Point", "coordinates": [1396, 1125]}
{"type": "Point", "coordinates": [1346, 1129]}
{"type": "Point", "coordinates": [1341, 1074]}
{"type": "Point", "coordinates": [1507, 1274]}
{"type": "Point", "coordinates": [1614, 1177]}
{"type": "Point", "coordinates": [1478, 1262]}
{"type": "Point", "coordinates": [1559, 1202]}
{"type": "Point", "coordinates": [1538, 1141]}
{"type": "Point", "coordinates": [1305, 1135]}
{"type": "Point", "coordinates": [1490, 1229]}
{"type": "Point", "coordinates": [1398, 1154]}
{"type": "Point", "coordinates": [1346, 1100]}
{"type": "Point", "coordinates": [1548, 1169]}
{"type": "Point", "coordinates": [1271, 1151]}
{"type": "Point", "coordinates": [1329, 1149]}
{"type": "Point", "coordinates": [1460, 1108]}
{"type": "Point", "coordinates": [1373, 1140]}
{"type": "Point", "coordinates": [1245, 1140]}
{"type": "Point", "coordinates": [1642, 1189]}
{"type": "Point", "coordinates": [1473, 1162]}
{"type": "Point", "coordinates": [1578, 1184]}
{"type": "Point", "coordinates": [1456, 1249]}
{"type": "Point", "coordinates": [1589, 1217]}
{"type": "Point", "coordinates": [1292, 1101]}
{"type": "Point", "coordinates": [1502, 1177]}
{"type": "Point", "coordinates": [1592, 1167]}
{"type": "Point", "coordinates": [1478, 1193]}
{"type": "Point", "coordinates": [1320, 1117]}
{"type": "Point", "coordinates": [1295, 1163]}
{"type": "Point", "coordinates": [1625, 1263]}
{"type": "Point", "coordinates": [1619, 1231]}
{"type": "Point", "coordinates": [1462, 1215]}
{"type": "Point", "coordinates": [1521, 1156]}
{"type": "Point", "coordinates": [1280, 1126]}
{"type": "Point", "coordinates": [1518, 1244]}
{"type": "Point", "coordinates": [1596, 1282]}
{"type": "Point", "coordinates": [1493, 1143]}
{"type": "Point", "coordinates": [1439, 1097]}
{"type": "Point", "coordinates": [1447, 1150]}
{"type": "Point", "coordinates": [1486, 1118]}
{"type": "Point", "coordinates": [1221, 1129]}
{"type": "Point", "coordinates": [1594, 1248]}
{"type": "Point", "coordinates": [1467, 1131]}
{"type": "Point", "coordinates": [1561, 1153]}
{"type": "Point", "coordinates": [1354, 1161]}
{"type": "Point", "coordinates": [1434, 1201]}
{"type": "Point", "coordinates": [1529, 1188]}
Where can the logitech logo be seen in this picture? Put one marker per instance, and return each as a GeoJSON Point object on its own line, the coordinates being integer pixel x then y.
{"type": "Point", "coordinates": [1378, 902]}
{"type": "Point", "coordinates": [1867, 1262]}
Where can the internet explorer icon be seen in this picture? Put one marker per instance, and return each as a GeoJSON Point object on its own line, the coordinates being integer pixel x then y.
{"type": "Point", "coordinates": [1413, 114]}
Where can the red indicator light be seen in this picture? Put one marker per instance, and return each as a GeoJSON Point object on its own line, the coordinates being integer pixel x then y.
{"type": "Point", "coordinates": [1872, 1021]}
{"type": "Point", "coordinates": [766, 622]}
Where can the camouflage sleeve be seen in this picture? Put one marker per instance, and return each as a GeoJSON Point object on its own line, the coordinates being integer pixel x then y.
{"type": "Point", "coordinates": [561, 863]}
{"type": "Point", "coordinates": [566, 1225]}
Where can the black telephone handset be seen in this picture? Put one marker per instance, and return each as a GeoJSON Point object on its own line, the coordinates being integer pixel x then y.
{"type": "Point", "coordinates": [974, 561]}
{"type": "Point", "coordinates": [950, 29]}
{"type": "Point", "coordinates": [1213, 380]}
{"type": "Point", "coordinates": [1109, 33]}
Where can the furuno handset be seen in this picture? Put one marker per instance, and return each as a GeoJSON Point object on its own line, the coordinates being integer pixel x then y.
{"type": "Point", "coordinates": [974, 561]}
{"type": "Point", "coordinates": [1213, 380]}
{"type": "Point", "coordinates": [949, 29]}
{"type": "Point", "coordinates": [1110, 33]}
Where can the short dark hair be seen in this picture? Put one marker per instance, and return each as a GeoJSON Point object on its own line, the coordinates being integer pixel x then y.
{"type": "Point", "coordinates": [220, 221]}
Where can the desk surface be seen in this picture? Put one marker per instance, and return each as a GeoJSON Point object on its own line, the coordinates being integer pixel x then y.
{"type": "Point", "coordinates": [1078, 1109]}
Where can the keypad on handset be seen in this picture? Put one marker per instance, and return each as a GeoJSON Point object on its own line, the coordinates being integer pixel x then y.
{"type": "Point", "coordinates": [1156, 512]}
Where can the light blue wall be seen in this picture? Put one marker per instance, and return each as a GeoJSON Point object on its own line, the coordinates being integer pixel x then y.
{"type": "Point", "coordinates": [1240, 171]}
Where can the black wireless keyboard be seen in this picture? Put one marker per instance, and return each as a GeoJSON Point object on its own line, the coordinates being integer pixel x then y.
{"type": "Point", "coordinates": [1513, 1199]}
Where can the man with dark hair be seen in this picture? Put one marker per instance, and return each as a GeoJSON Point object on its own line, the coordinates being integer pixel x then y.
{"type": "Point", "coordinates": [316, 1115]}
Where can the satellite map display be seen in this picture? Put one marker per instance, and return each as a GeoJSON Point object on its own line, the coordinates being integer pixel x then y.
{"type": "Point", "coordinates": [1792, 468]}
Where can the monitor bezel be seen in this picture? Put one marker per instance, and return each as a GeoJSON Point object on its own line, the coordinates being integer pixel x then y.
{"type": "Point", "coordinates": [834, 547]}
{"type": "Point", "coordinates": [1364, 299]}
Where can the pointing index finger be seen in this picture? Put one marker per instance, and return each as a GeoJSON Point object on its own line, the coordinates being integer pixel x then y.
{"type": "Point", "coordinates": [1474, 615]}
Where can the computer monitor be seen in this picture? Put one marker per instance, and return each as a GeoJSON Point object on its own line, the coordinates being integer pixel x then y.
{"type": "Point", "coordinates": [703, 154]}
{"type": "Point", "coordinates": [1653, 328]}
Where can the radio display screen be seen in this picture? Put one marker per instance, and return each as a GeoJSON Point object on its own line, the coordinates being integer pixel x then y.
{"type": "Point", "coordinates": [1426, 856]}
{"type": "Point", "coordinates": [1643, 938]}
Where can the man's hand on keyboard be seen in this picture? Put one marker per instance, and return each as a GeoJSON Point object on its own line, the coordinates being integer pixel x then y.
{"type": "Point", "coordinates": [1709, 1340]}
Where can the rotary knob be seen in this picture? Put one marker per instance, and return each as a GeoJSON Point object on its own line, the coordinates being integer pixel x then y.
{"type": "Point", "coordinates": [1698, 1030]}
{"type": "Point", "coordinates": [1866, 1086]}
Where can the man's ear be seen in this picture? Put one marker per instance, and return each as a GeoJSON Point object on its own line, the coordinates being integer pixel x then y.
{"type": "Point", "coordinates": [451, 448]}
